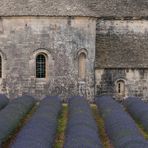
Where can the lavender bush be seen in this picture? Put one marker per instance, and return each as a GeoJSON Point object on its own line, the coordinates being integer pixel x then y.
{"type": "Point", "coordinates": [3, 101]}
{"type": "Point", "coordinates": [81, 130]}
{"type": "Point", "coordinates": [40, 131]}
{"type": "Point", "coordinates": [119, 126]}
{"type": "Point", "coordinates": [11, 115]}
{"type": "Point", "coordinates": [138, 110]}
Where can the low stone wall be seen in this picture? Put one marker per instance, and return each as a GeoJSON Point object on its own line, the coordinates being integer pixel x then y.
{"type": "Point", "coordinates": [135, 81]}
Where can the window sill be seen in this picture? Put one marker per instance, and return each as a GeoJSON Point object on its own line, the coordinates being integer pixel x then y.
{"type": "Point", "coordinates": [81, 82]}
{"type": "Point", "coordinates": [42, 80]}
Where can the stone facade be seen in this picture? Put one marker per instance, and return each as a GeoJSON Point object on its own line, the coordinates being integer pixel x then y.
{"type": "Point", "coordinates": [61, 39]}
{"type": "Point", "coordinates": [135, 80]}
{"type": "Point", "coordinates": [113, 46]}
{"type": "Point", "coordinates": [121, 55]}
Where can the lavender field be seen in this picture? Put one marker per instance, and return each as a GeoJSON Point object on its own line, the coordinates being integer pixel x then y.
{"type": "Point", "coordinates": [26, 123]}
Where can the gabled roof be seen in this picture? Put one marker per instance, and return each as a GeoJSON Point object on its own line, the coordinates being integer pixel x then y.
{"type": "Point", "coordinates": [96, 8]}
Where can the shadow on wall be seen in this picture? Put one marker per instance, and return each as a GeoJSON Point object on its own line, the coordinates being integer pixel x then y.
{"type": "Point", "coordinates": [112, 83]}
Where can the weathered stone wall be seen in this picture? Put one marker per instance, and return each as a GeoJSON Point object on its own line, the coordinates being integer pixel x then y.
{"type": "Point", "coordinates": [136, 82]}
{"type": "Point", "coordinates": [60, 38]}
{"type": "Point", "coordinates": [121, 54]}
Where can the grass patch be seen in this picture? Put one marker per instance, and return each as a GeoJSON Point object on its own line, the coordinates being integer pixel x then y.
{"type": "Point", "coordinates": [62, 122]}
{"type": "Point", "coordinates": [100, 123]}
{"type": "Point", "coordinates": [144, 133]}
{"type": "Point", "coordinates": [142, 130]}
{"type": "Point", "coordinates": [139, 125]}
{"type": "Point", "coordinates": [23, 121]}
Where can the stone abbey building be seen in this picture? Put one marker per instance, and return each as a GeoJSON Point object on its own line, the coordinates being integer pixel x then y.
{"type": "Point", "coordinates": [74, 47]}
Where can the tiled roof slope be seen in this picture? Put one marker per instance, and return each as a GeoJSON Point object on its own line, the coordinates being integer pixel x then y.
{"type": "Point", "coordinates": [97, 8]}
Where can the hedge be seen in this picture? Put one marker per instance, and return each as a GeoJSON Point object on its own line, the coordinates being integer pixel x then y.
{"type": "Point", "coordinates": [138, 110]}
{"type": "Point", "coordinates": [119, 126]}
{"type": "Point", "coordinates": [11, 115]}
{"type": "Point", "coordinates": [3, 101]}
{"type": "Point", "coordinates": [40, 131]}
{"type": "Point", "coordinates": [81, 130]}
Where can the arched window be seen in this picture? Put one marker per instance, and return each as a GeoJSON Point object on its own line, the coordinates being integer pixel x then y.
{"type": "Point", "coordinates": [41, 66]}
{"type": "Point", "coordinates": [82, 65]}
{"type": "Point", "coordinates": [0, 67]}
{"type": "Point", "coordinates": [120, 88]}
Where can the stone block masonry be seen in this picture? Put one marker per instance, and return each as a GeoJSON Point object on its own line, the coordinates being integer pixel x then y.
{"type": "Point", "coordinates": [122, 58]}
{"type": "Point", "coordinates": [60, 39]}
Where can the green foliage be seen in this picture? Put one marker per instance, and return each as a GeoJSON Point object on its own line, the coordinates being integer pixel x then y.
{"type": "Point", "coordinates": [141, 128]}
{"type": "Point", "coordinates": [62, 122]}
{"type": "Point", "coordinates": [100, 122]}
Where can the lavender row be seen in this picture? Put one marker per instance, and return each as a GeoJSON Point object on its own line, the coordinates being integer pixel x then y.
{"type": "Point", "coordinates": [11, 115]}
{"type": "Point", "coordinates": [138, 110]}
{"type": "Point", "coordinates": [3, 101]}
{"type": "Point", "coordinates": [81, 130]}
{"type": "Point", "coordinates": [40, 131]}
{"type": "Point", "coordinates": [119, 126]}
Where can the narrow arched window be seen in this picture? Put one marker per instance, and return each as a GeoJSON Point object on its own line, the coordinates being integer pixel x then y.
{"type": "Point", "coordinates": [41, 66]}
{"type": "Point", "coordinates": [82, 66]}
{"type": "Point", "coordinates": [120, 86]}
{"type": "Point", "coordinates": [0, 67]}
